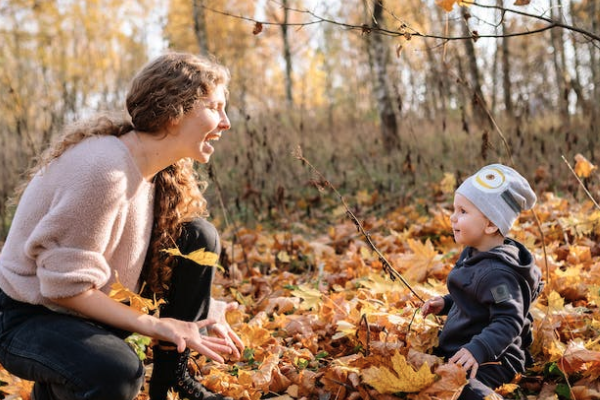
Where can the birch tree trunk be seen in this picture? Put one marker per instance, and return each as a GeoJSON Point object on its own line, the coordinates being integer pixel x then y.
{"type": "Point", "coordinates": [287, 56]}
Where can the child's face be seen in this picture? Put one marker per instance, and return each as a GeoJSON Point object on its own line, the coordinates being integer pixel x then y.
{"type": "Point", "coordinates": [470, 226]}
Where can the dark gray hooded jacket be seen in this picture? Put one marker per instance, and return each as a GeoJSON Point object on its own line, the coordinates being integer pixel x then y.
{"type": "Point", "coordinates": [488, 305]}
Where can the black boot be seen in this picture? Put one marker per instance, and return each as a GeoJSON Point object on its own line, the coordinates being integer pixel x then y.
{"type": "Point", "coordinates": [170, 371]}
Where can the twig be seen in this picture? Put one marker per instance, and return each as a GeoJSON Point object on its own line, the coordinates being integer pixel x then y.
{"type": "Point", "coordinates": [386, 264]}
{"type": "Point", "coordinates": [546, 267]}
{"type": "Point", "coordinates": [581, 183]}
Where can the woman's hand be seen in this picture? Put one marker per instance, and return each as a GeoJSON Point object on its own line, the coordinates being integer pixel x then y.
{"type": "Point", "coordinates": [464, 358]}
{"type": "Point", "coordinates": [433, 306]}
{"type": "Point", "coordinates": [96, 305]}
{"type": "Point", "coordinates": [222, 329]}
{"type": "Point", "coordinates": [187, 334]}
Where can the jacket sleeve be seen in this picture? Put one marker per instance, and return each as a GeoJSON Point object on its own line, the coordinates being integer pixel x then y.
{"type": "Point", "coordinates": [448, 303]}
{"type": "Point", "coordinates": [500, 291]}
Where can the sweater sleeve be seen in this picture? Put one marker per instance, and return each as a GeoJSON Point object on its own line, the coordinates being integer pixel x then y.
{"type": "Point", "coordinates": [70, 241]}
{"type": "Point", "coordinates": [500, 291]}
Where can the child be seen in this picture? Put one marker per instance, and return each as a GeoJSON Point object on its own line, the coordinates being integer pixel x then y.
{"type": "Point", "coordinates": [492, 285]}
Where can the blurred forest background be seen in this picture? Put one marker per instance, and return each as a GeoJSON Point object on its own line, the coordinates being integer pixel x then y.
{"type": "Point", "coordinates": [384, 97]}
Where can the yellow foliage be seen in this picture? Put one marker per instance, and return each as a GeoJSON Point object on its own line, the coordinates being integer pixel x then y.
{"type": "Point", "coordinates": [583, 168]}
{"type": "Point", "coordinates": [120, 293]}
{"type": "Point", "coordinates": [311, 298]}
{"type": "Point", "coordinates": [400, 378]}
{"type": "Point", "coordinates": [200, 257]}
{"type": "Point", "coordinates": [449, 4]}
{"type": "Point", "coordinates": [448, 183]}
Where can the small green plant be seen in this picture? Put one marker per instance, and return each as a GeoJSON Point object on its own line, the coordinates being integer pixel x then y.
{"type": "Point", "coordinates": [139, 343]}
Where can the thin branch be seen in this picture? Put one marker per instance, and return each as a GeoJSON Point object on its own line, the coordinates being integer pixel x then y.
{"type": "Point", "coordinates": [550, 21]}
{"type": "Point", "coordinates": [386, 264]}
{"type": "Point", "coordinates": [408, 33]}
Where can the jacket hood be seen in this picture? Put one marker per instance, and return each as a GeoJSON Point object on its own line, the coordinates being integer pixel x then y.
{"type": "Point", "coordinates": [514, 255]}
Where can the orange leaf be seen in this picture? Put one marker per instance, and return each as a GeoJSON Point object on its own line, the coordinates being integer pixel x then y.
{"type": "Point", "coordinates": [446, 4]}
{"type": "Point", "coordinates": [576, 358]}
{"type": "Point", "coordinates": [258, 28]}
{"type": "Point", "coordinates": [583, 168]}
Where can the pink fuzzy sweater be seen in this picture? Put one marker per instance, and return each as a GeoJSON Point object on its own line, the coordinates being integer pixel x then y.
{"type": "Point", "coordinates": [84, 218]}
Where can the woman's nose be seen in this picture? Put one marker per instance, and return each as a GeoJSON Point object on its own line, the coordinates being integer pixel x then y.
{"type": "Point", "coordinates": [225, 124]}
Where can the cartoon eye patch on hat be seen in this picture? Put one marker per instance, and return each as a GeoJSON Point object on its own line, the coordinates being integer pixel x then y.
{"type": "Point", "coordinates": [490, 179]}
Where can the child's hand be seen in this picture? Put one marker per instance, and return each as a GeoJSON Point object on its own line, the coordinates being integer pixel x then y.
{"type": "Point", "coordinates": [464, 358]}
{"type": "Point", "coordinates": [433, 306]}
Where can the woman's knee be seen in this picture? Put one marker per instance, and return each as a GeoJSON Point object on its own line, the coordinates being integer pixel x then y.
{"type": "Point", "coordinates": [199, 234]}
{"type": "Point", "coordinates": [121, 381]}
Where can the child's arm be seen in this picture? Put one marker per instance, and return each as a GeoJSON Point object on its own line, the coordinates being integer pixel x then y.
{"type": "Point", "coordinates": [433, 306]}
{"type": "Point", "coordinates": [439, 305]}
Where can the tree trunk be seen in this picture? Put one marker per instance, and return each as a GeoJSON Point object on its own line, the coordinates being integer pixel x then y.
{"type": "Point", "coordinates": [594, 131]}
{"type": "Point", "coordinates": [506, 84]}
{"type": "Point", "coordinates": [200, 26]}
{"type": "Point", "coordinates": [287, 56]}
{"type": "Point", "coordinates": [559, 62]}
{"type": "Point", "coordinates": [479, 104]}
{"type": "Point", "coordinates": [582, 105]}
{"type": "Point", "coordinates": [494, 95]}
{"type": "Point", "coordinates": [379, 56]}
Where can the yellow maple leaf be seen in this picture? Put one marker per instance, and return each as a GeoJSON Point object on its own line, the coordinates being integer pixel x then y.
{"type": "Point", "coordinates": [555, 301]}
{"type": "Point", "coordinates": [423, 260]}
{"type": "Point", "coordinates": [311, 297]}
{"type": "Point", "coordinates": [402, 378]}
{"type": "Point", "coordinates": [120, 293]}
{"type": "Point", "coordinates": [583, 168]}
{"type": "Point", "coordinates": [200, 257]}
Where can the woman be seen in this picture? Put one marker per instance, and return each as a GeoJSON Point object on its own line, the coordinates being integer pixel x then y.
{"type": "Point", "coordinates": [101, 205]}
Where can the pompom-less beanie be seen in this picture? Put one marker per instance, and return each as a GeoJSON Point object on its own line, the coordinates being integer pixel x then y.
{"type": "Point", "coordinates": [500, 193]}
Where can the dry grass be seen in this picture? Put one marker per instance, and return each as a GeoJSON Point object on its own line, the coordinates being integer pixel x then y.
{"type": "Point", "coordinates": [258, 178]}
{"type": "Point", "coordinates": [255, 177]}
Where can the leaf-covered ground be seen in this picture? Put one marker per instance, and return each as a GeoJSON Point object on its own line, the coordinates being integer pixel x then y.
{"type": "Point", "coordinates": [321, 319]}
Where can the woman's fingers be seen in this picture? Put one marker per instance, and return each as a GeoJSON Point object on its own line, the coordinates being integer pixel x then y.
{"type": "Point", "coordinates": [205, 323]}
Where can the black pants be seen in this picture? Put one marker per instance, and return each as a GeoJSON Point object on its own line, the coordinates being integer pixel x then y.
{"type": "Point", "coordinates": [70, 358]}
{"type": "Point", "coordinates": [488, 378]}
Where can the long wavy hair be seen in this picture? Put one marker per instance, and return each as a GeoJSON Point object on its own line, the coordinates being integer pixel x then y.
{"type": "Point", "coordinates": [162, 92]}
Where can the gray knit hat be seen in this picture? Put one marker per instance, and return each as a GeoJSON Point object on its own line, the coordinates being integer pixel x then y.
{"type": "Point", "coordinates": [500, 193]}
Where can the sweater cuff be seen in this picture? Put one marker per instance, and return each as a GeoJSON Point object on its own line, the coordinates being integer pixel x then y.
{"type": "Point", "coordinates": [65, 272]}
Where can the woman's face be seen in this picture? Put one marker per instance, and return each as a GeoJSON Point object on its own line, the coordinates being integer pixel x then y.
{"type": "Point", "coordinates": [201, 125]}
